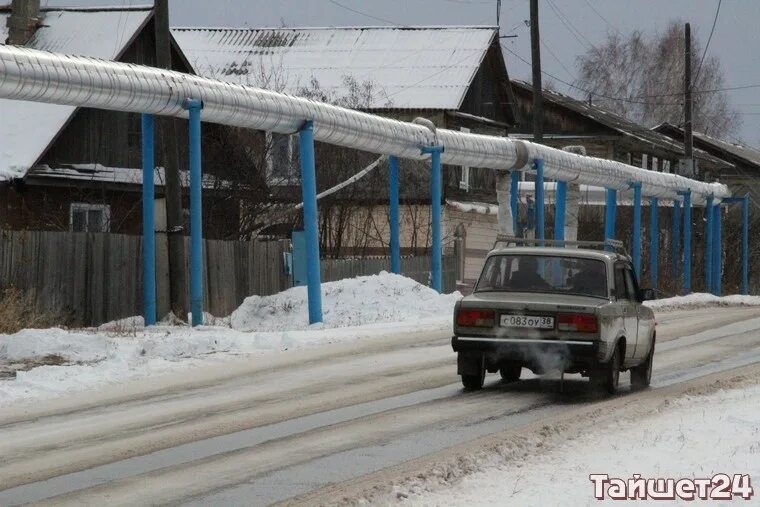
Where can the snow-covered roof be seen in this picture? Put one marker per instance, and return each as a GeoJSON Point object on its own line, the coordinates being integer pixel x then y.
{"type": "Point", "coordinates": [746, 153]}
{"type": "Point", "coordinates": [98, 173]}
{"type": "Point", "coordinates": [28, 128]}
{"type": "Point", "coordinates": [409, 67]}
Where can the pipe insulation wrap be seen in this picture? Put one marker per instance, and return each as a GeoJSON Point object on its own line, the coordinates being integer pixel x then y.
{"type": "Point", "coordinates": [40, 76]}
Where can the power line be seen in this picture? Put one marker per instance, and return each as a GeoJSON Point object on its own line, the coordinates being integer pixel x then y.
{"type": "Point", "coordinates": [371, 16]}
{"type": "Point", "coordinates": [712, 30]}
{"type": "Point", "coordinates": [632, 98]}
{"type": "Point", "coordinates": [569, 25]}
{"type": "Point", "coordinates": [602, 17]}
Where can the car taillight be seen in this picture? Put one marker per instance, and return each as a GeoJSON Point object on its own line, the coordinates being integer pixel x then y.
{"type": "Point", "coordinates": [578, 322]}
{"type": "Point", "coordinates": [476, 318]}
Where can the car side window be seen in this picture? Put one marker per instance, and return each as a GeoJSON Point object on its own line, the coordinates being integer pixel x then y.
{"type": "Point", "coordinates": [631, 287]}
{"type": "Point", "coordinates": [620, 286]}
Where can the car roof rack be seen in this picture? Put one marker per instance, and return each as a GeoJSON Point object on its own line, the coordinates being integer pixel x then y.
{"type": "Point", "coordinates": [616, 245]}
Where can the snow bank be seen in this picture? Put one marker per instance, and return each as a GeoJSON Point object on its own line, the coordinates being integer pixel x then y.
{"type": "Point", "coordinates": [701, 300]}
{"type": "Point", "coordinates": [355, 301]}
{"type": "Point", "coordinates": [125, 349]}
{"type": "Point", "coordinates": [680, 441]}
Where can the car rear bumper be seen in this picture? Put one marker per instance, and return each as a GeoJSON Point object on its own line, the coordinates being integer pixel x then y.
{"type": "Point", "coordinates": [528, 351]}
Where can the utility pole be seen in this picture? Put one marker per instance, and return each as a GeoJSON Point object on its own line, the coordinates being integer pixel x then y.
{"type": "Point", "coordinates": [535, 54]}
{"type": "Point", "coordinates": [169, 158]}
{"type": "Point", "coordinates": [498, 13]}
{"type": "Point", "coordinates": [687, 106]}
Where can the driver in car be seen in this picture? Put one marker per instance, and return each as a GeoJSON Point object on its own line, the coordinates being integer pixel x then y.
{"type": "Point", "coordinates": [526, 277]}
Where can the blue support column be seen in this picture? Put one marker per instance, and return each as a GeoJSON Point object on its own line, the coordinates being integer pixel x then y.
{"type": "Point", "coordinates": [717, 252]}
{"type": "Point", "coordinates": [654, 243]}
{"type": "Point", "coordinates": [610, 211]}
{"type": "Point", "coordinates": [686, 241]}
{"type": "Point", "coordinates": [560, 208]}
{"type": "Point", "coordinates": [540, 225]}
{"type": "Point", "coordinates": [310, 221]}
{"type": "Point", "coordinates": [675, 238]}
{"type": "Point", "coordinates": [514, 199]}
{"type": "Point", "coordinates": [435, 210]}
{"type": "Point", "coordinates": [194, 108]}
{"type": "Point", "coordinates": [745, 245]}
{"type": "Point", "coordinates": [394, 215]}
{"type": "Point", "coordinates": [149, 229]}
{"type": "Point", "coordinates": [636, 240]}
{"type": "Point", "coordinates": [708, 242]}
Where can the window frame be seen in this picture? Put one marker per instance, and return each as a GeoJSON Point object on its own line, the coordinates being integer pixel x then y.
{"type": "Point", "coordinates": [86, 207]}
{"type": "Point", "coordinates": [292, 177]}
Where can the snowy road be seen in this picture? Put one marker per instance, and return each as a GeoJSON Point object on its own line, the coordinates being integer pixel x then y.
{"type": "Point", "coordinates": [260, 432]}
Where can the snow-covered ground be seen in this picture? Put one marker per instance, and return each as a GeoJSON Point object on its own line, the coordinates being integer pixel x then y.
{"type": "Point", "coordinates": [694, 437]}
{"type": "Point", "coordinates": [701, 300]}
{"type": "Point", "coordinates": [50, 362]}
{"type": "Point", "coordinates": [353, 309]}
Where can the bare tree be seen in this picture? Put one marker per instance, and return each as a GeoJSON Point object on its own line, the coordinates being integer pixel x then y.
{"type": "Point", "coordinates": [641, 78]}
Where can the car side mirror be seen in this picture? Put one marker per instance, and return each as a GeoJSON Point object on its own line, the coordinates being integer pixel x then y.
{"type": "Point", "coordinates": [647, 295]}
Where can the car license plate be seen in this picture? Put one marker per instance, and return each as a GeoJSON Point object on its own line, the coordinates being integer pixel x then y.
{"type": "Point", "coordinates": [527, 321]}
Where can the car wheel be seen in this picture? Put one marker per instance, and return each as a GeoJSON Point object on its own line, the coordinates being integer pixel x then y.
{"type": "Point", "coordinates": [511, 371]}
{"type": "Point", "coordinates": [474, 382]}
{"type": "Point", "coordinates": [607, 376]}
{"type": "Point", "coordinates": [641, 375]}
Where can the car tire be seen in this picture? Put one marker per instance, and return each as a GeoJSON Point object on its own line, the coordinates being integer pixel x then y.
{"type": "Point", "coordinates": [510, 372]}
{"type": "Point", "coordinates": [474, 382]}
{"type": "Point", "coordinates": [607, 377]}
{"type": "Point", "coordinates": [641, 375]}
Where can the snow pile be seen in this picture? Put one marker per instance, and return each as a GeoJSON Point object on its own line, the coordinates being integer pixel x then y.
{"type": "Point", "coordinates": [680, 441]}
{"type": "Point", "coordinates": [355, 301]}
{"type": "Point", "coordinates": [701, 300]}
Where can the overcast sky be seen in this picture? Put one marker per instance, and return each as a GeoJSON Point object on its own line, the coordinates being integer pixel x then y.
{"type": "Point", "coordinates": [736, 41]}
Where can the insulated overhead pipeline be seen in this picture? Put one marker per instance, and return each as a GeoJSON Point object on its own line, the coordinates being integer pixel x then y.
{"type": "Point", "coordinates": [40, 76]}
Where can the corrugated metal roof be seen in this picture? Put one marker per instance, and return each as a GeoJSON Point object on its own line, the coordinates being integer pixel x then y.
{"type": "Point", "coordinates": [28, 128]}
{"type": "Point", "coordinates": [409, 68]}
{"type": "Point", "coordinates": [621, 124]}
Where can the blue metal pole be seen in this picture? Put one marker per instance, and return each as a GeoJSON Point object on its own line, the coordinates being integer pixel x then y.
{"type": "Point", "coordinates": [514, 199]}
{"type": "Point", "coordinates": [310, 221]}
{"type": "Point", "coordinates": [196, 228]}
{"type": "Point", "coordinates": [708, 242]}
{"type": "Point", "coordinates": [654, 242]}
{"type": "Point", "coordinates": [717, 252]}
{"type": "Point", "coordinates": [686, 241]}
{"type": "Point", "coordinates": [636, 243]}
{"type": "Point", "coordinates": [435, 196]}
{"type": "Point", "coordinates": [394, 215]}
{"type": "Point", "coordinates": [745, 245]}
{"type": "Point", "coordinates": [675, 237]}
{"type": "Point", "coordinates": [610, 210]}
{"type": "Point", "coordinates": [540, 226]}
{"type": "Point", "coordinates": [559, 210]}
{"type": "Point", "coordinates": [149, 229]}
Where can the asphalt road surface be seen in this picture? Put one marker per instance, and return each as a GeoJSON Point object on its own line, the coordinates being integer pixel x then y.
{"type": "Point", "coordinates": [262, 431]}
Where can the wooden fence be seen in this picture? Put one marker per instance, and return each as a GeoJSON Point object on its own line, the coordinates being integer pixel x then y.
{"type": "Point", "coordinates": [93, 277]}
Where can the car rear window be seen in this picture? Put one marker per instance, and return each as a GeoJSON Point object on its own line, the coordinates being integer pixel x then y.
{"type": "Point", "coordinates": [544, 273]}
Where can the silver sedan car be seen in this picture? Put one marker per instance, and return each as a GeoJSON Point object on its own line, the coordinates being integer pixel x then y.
{"type": "Point", "coordinates": [573, 310]}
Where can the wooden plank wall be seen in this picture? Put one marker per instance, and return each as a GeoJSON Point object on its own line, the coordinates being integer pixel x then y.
{"type": "Point", "coordinates": [93, 278]}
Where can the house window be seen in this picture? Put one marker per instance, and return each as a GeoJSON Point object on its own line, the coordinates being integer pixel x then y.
{"type": "Point", "coordinates": [464, 180]}
{"type": "Point", "coordinates": [281, 159]}
{"type": "Point", "coordinates": [85, 217]}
